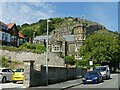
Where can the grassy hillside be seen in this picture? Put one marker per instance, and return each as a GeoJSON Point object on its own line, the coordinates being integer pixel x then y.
{"type": "Point", "coordinates": [66, 24]}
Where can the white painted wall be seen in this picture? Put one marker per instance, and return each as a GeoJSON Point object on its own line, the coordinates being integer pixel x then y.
{"type": "Point", "coordinates": [0, 35]}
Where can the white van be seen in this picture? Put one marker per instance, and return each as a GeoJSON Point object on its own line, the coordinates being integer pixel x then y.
{"type": "Point", "coordinates": [105, 71]}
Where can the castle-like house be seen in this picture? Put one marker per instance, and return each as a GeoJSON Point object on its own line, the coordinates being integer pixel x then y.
{"type": "Point", "coordinates": [65, 44]}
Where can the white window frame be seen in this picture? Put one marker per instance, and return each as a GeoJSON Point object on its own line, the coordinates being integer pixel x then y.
{"type": "Point", "coordinates": [56, 48]}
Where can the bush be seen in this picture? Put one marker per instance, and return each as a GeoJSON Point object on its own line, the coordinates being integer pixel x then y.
{"type": "Point", "coordinates": [69, 60]}
{"type": "Point", "coordinates": [4, 62]}
{"type": "Point", "coordinates": [8, 63]}
{"type": "Point", "coordinates": [35, 48]}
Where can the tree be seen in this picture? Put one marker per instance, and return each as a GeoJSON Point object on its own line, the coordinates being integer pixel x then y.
{"type": "Point", "coordinates": [69, 60]}
{"type": "Point", "coordinates": [102, 46]}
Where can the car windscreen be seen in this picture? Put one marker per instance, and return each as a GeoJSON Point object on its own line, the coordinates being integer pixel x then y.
{"type": "Point", "coordinates": [19, 70]}
{"type": "Point", "coordinates": [91, 73]}
{"type": "Point", "coordinates": [102, 68]}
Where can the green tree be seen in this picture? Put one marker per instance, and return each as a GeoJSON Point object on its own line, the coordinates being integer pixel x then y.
{"type": "Point", "coordinates": [69, 60]}
{"type": "Point", "coordinates": [102, 46]}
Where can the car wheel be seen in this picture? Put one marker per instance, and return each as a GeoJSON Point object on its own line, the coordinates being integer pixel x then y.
{"type": "Point", "coordinates": [109, 77]}
{"type": "Point", "coordinates": [14, 81]}
{"type": "Point", "coordinates": [101, 79]}
{"type": "Point", "coordinates": [4, 79]}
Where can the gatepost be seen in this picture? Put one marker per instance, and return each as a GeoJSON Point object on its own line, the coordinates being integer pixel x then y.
{"type": "Point", "coordinates": [28, 65]}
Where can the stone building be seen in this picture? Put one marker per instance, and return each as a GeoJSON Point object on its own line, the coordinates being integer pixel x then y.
{"type": "Point", "coordinates": [65, 44]}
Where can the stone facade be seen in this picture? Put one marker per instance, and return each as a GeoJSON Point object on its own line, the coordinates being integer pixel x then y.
{"type": "Point", "coordinates": [65, 44]}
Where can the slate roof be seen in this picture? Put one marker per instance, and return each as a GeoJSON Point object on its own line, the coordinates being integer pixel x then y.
{"type": "Point", "coordinates": [42, 37]}
{"type": "Point", "coordinates": [67, 37]}
{"type": "Point", "coordinates": [3, 26]}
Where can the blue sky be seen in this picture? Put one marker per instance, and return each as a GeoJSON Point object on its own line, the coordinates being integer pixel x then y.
{"type": "Point", "coordinates": [105, 13]}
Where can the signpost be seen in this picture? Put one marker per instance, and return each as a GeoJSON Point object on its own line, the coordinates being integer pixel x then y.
{"type": "Point", "coordinates": [91, 65]}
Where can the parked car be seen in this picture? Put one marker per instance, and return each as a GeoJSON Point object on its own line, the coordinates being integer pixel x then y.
{"type": "Point", "coordinates": [92, 77]}
{"type": "Point", "coordinates": [6, 74]}
{"type": "Point", "coordinates": [18, 75]}
{"type": "Point", "coordinates": [105, 71]}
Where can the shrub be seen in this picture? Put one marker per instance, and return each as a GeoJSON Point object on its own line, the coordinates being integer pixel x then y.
{"type": "Point", "coordinates": [4, 61]}
{"type": "Point", "coordinates": [8, 63]}
{"type": "Point", "coordinates": [35, 48]}
{"type": "Point", "coordinates": [69, 60]}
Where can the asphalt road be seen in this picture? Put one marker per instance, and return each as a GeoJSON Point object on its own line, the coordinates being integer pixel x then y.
{"type": "Point", "coordinates": [111, 83]}
{"type": "Point", "coordinates": [11, 85]}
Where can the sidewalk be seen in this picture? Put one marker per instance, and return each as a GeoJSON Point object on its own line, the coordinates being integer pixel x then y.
{"type": "Point", "coordinates": [63, 85]}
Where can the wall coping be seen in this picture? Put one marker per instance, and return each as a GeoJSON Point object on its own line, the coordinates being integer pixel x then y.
{"type": "Point", "coordinates": [29, 60]}
{"type": "Point", "coordinates": [59, 66]}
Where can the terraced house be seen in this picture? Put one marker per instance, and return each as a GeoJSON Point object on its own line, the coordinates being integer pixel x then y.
{"type": "Point", "coordinates": [10, 35]}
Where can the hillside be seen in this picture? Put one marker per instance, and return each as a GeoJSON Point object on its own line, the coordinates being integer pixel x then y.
{"type": "Point", "coordinates": [65, 24]}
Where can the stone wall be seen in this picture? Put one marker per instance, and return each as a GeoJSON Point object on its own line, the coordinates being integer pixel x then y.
{"type": "Point", "coordinates": [39, 58]}
{"type": "Point", "coordinates": [37, 77]}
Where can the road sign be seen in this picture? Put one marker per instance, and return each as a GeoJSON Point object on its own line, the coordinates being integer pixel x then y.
{"type": "Point", "coordinates": [91, 63]}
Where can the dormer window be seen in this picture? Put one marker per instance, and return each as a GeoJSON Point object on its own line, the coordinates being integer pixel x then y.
{"type": "Point", "coordinates": [56, 48]}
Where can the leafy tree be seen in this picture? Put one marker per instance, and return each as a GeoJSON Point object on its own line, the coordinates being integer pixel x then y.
{"type": "Point", "coordinates": [102, 46]}
{"type": "Point", "coordinates": [27, 33]}
{"type": "Point", "coordinates": [69, 60]}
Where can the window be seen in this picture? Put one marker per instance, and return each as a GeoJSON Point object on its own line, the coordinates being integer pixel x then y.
{"type": "Point", "coordinates": [56, 48]}
{"type": "Point", "coordinates": [72, 47]}
{"type": "Point", "coordinates": [5, 70]}
{"type": "Point", "coordinates": [3, 35]}
{"type": "Point", "coordinates": [9, 70]}
{"type": "Point", "coordinates": [6, 37]}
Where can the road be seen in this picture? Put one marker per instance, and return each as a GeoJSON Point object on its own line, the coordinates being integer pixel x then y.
{"type": "Point", "coordinates": [74, 84]}
{"type": "Point", "coordinates": [10, 85]}
{"type": "Point", "coordinates": [111, 83]}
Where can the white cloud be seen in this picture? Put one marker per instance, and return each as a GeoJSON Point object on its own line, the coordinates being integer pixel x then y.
{"type": "Point", "coordinates": [25, 11]}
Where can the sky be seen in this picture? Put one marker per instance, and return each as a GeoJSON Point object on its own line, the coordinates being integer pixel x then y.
{"type": "Point", "coordinates": [105, 13]}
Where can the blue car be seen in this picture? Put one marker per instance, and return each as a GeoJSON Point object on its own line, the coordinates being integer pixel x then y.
{"type": "Point", "coordinates": [92, 77]}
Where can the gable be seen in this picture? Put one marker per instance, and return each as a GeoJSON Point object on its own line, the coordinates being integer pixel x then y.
{"type": "Point", "coordinates": [56, 37]}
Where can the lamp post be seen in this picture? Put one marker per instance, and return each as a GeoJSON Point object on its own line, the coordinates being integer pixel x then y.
{"type": "Point", "coordinates": [47, 53]}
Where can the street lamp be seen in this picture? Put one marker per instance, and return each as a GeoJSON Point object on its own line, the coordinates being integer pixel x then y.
{"type": "Point", "coordinates": [47, 53]}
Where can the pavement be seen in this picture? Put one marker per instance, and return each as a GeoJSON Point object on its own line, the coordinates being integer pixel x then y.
{"type": "Point", "coordinates": [57, 86]}
{"type": "Point", "coordinates": [63, 85]}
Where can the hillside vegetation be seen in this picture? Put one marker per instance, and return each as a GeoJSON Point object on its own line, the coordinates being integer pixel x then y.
{"type": "Point", "coordinates": [67, 23]}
